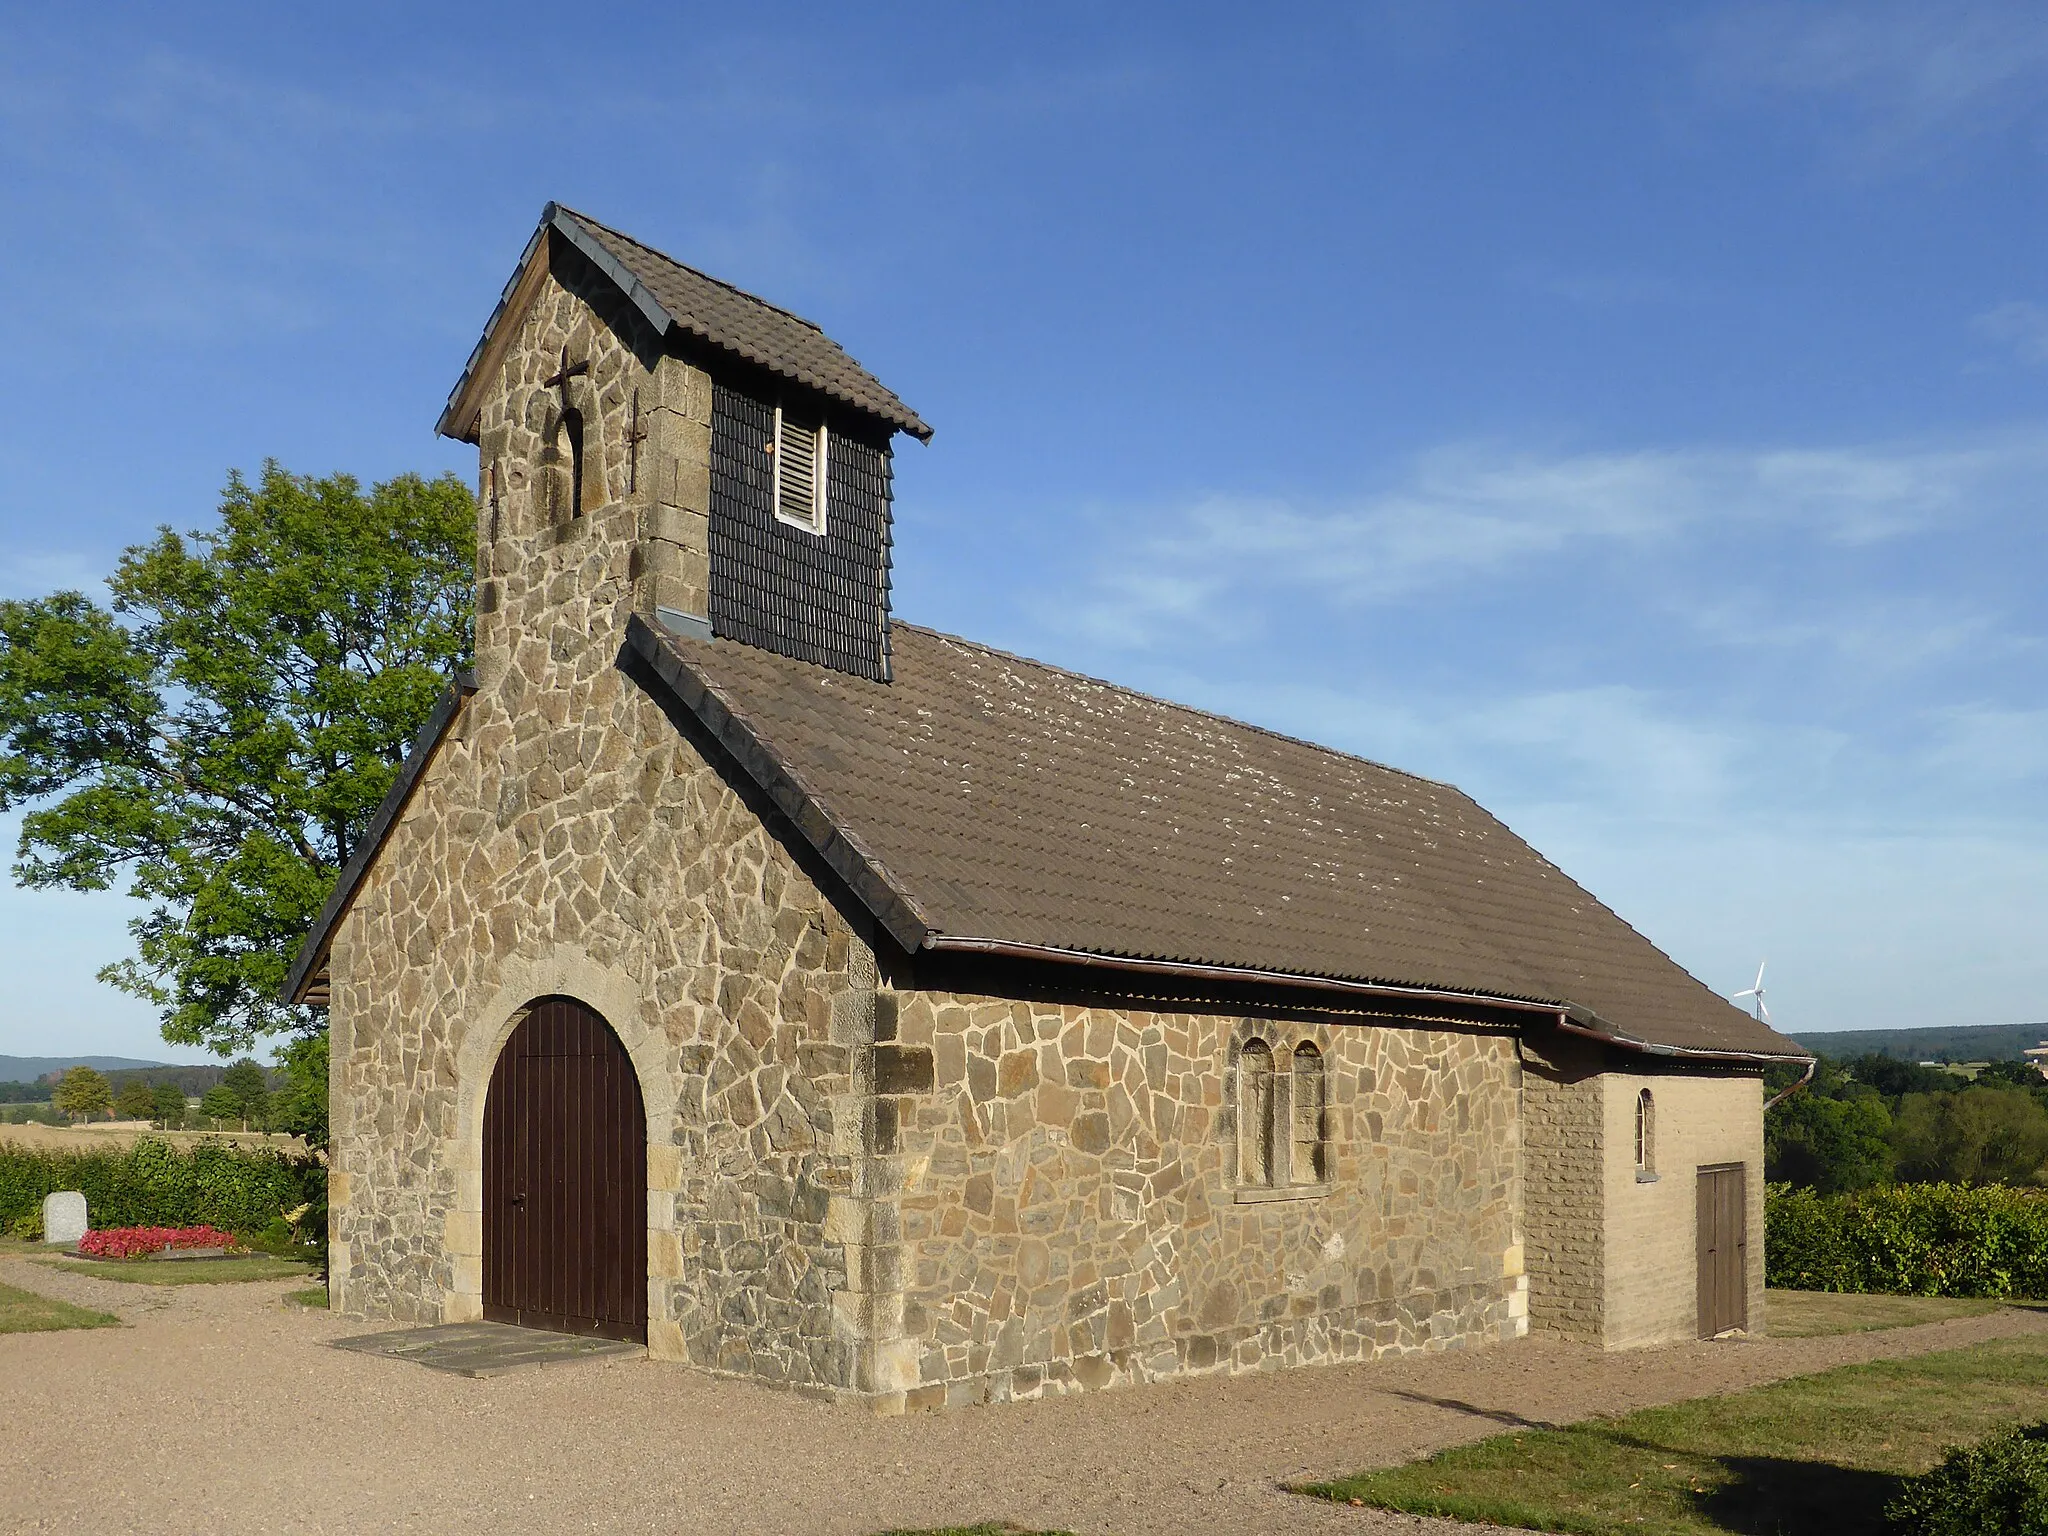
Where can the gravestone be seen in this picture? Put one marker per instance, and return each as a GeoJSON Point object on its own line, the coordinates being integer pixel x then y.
{"type": "Point", "coordinates": [63, 1217]}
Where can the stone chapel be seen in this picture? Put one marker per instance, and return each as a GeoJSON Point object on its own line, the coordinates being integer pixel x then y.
{"type": "Point", "coordinates": [834, 1002]}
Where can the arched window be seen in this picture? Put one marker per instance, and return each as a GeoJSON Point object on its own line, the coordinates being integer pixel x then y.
{"type": "Point", "coordinates": [1646, 1133]}
{"type": "Point", "coordinates": [1310, 1159]}
{"type": "Point", "coordinates": [1255, 1113]}
{"type": "Point", "coordinates": [565, 483]}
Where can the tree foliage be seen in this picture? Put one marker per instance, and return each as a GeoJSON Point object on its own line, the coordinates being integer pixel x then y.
{"type": "Point", "coordinates": [299, 1108]}
{"type": "Point", "coordinates": [220, 1103]}
{"type": "Point", "coordinates": [170, 1105]}
{"type": "Point", "coordinates": [220, 737]}
{"type": "Point", "coordinates": [135, 1101]}
{"type": "Point", "coordinates": [82, 1093]}
{"type": "Point", "coordinates": [1864, 1122]}
{"type": "Point", "coordinates": [1985, 1135]}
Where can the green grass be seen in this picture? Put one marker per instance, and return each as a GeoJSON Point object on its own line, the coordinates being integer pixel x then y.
{"type": "Point", "coordinates": [1818, 1455]}
{"type": "Point", "coordinates": [1810, 1314]}
{"type": "Point", "coordinates": [314, 1298]}
{"type": "Point", "coordinates": [26, 1312]}
{"type": "Point", "coordinates": [257, 1266]}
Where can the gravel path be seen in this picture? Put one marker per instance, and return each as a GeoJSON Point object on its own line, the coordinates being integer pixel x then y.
{"type": "Point", "coordinates": [220, 1410]}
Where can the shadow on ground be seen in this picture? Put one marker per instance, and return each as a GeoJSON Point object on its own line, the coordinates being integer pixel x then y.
{"type": "Point", "coordinates": [1496, 1415]}
{"type": "Point", "coordinates": [1775, 1497]}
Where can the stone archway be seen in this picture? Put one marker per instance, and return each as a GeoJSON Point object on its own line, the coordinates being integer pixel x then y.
{"type": "Point", "coordinates": [564, 971]}
{"type": "Point", "coordinates": [565, 1178]}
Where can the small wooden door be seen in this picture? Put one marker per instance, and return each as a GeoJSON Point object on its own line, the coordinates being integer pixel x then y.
{"type": "Point", "coordinates": [1724, 1249]}
{"type": "Point", "coordinates": [565, 1178]}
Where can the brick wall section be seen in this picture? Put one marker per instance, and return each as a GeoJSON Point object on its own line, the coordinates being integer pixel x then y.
{"type": "Point", "coordinates": [1703, 1117]}
{"type": "Point", "coordinates": [1564, 1194]}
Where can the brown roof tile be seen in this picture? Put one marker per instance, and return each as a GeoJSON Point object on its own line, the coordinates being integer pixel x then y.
{"type": "Point", "coordinates": [989, 797]}
{"type": "Point", "coordinates": [762, 333]}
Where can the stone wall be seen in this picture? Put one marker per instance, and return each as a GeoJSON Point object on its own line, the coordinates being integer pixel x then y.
{"type": "Point", "coordinates": [1071, 1212]}
{"type": "Point", "coordinates": [1702, 1117]}
{"type": "Point", "coordinates": [646, 419]}
{"type": "Point", "coordinates": [568, 837]}
{"type": "Point", "coordinates": [1564, 1186]}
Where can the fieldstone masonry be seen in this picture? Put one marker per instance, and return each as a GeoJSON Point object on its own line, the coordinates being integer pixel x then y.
{"type": "Point", "coordinates": [913, 1198]}
{"type": "Point", "coordinates": [1072, 1214]}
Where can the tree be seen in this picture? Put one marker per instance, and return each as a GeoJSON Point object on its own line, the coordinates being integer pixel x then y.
{"type": "Point", "coordinates": [220, 1104]}
{"type": "Point", "coordinates": [82, 1093]}
{"type": "Point", "coordinates": [135, 1101]}
{"type": "Point", "coordinates": [1893, 1078]}
{"type": "Point", "coordinates": [222, 734]}
{"type": "Point", "coordinates": [2011, 1074]}
{"type": "Point", "coordinates": [1829, 1144]}
{"type": "Point", "coordinates": [1979, 1136]}
{"type": "Point", "coordinates": [250, 1085]}
{"type": "Point", "coordinates": [170, 1105]}
{"type": "Point", "coordinates": [299, 1108]}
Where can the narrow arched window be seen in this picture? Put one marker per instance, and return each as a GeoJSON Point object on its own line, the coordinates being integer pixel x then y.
{"type": "Point", "coordinates": [570, 452]}
{"type": "Point", "coordinates": [1309, 1139]}
{"type": "Point", "coordinates": [1646, 1133]}
{"type": "Point", "coordinates": [1255, 1113]}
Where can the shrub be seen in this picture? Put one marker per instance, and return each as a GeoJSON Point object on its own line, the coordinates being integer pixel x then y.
{"type": "Point", "coordinates": [1911, 1239]}
{"type": "Point", "coordinates": [1997, 1488]}
{"type": "Point", "coordinates": [27, 1229]}
{"type": "Point", "coordinates": [154, 1184]}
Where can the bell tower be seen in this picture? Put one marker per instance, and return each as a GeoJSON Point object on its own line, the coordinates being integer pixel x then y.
{"type": "Point", "coordinates": [653, 440]}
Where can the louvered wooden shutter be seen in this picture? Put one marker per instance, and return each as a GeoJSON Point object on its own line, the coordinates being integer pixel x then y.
{"type": "Point", "coordinates": [800, 448]}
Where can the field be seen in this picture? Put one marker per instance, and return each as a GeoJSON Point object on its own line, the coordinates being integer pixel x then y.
{"type": "Point", "coordinates": [84, 1138]}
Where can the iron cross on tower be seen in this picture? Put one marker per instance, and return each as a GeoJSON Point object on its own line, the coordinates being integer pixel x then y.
{"type": "Point", "coordinates": [568, 371]}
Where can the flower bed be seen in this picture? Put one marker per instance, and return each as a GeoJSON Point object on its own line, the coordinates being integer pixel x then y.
{"type": "Point", "coordinates": [146, 1242]}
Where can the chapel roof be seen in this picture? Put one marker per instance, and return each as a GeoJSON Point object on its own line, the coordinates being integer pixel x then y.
{"type": "Point", "coordinates": [713, 311]}
{"type": "Point", "coordinates": [983, 801]}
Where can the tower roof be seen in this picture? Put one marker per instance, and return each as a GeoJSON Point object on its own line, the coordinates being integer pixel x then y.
{"type": "Point", "coordinates": [675, 297]}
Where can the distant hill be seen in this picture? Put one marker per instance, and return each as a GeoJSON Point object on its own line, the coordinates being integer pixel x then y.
{"type": "Point", "coordinates": [1975, 1042]}
{"type": "Point", "coordinates": [26, 1069]}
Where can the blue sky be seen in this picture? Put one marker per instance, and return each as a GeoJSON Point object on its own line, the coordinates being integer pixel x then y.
{"type": "Point", "coordinates": [1635, 415]}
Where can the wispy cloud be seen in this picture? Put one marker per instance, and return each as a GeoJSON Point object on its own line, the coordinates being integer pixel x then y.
{"type": "Point", "coordinates": [2021, 326]}
{"type": "Point", "coordinates": [1474, 514]}
{"type": "Point", "coordinates": [1986, 746]}
{"type": "Point", "coordinates": [1913, 76]}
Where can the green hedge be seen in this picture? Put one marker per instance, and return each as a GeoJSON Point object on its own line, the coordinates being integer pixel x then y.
{"type": "Point", "coordinates": [153, 1183]}
{"type": "Point", "coordinates": [1909, 1239]}
{"type": "Point", "coordinates": [1999, 1488]}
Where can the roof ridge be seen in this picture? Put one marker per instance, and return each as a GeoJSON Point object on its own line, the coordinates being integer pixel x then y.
{"type": "Point", "coordinates": [730, 287]}
{"type": "Point", "coordinates": [1188, 709]}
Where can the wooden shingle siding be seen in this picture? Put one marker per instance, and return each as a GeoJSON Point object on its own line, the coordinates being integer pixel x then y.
{"type": "Point", "coordinates": [821, 598]}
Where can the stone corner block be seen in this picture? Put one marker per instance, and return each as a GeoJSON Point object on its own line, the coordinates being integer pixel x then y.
{"type": "Point", "coordinates": [665, 1341]}
{"type": "Point", "coordinates": [664, 1167]}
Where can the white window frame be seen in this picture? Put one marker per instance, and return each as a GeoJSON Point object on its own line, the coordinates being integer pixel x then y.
{"type": "Point", "coordinates": [819, 480]}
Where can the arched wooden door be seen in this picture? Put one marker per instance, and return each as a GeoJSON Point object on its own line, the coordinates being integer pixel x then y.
{"type": "Point", "coordinates": [565, 1178]}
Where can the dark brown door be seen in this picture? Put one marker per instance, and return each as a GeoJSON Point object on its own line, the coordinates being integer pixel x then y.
{"type": "Point", "coordinates": [1724, 1250]}
{"type": "Point", "coordinates": [565, 1179]}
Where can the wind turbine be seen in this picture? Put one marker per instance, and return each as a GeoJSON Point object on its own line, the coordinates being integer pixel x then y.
{"type": "Point", "coordinates": [1763, 1014]}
